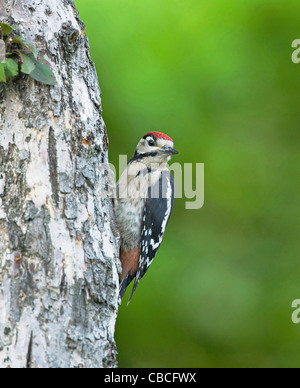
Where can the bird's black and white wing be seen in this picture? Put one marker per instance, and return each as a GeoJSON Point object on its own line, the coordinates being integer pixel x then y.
{"type": "Point", "coordinates": [156, 215]}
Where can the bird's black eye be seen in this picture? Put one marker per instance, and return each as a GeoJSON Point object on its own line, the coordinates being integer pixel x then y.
{"type": "Point", "coordinates": [151, 143]}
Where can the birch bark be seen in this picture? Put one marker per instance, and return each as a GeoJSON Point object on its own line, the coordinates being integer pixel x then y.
{"type": "Point", "coordinates": [58, 245]}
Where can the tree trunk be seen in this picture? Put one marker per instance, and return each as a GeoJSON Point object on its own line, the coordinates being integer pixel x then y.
{"type": "Point", "coordinates": [58, 246]}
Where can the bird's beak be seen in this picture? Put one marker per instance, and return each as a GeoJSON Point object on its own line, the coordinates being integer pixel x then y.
{"type": "Point", "coordinates": [169, 151]}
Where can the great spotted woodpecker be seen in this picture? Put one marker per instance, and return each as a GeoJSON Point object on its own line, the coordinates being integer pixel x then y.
{"type": "Point", "coordinates": [145, 198]}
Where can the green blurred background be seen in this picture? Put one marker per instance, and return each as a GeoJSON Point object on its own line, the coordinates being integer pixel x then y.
{"type": "Point", "coordinates": [216, 76]}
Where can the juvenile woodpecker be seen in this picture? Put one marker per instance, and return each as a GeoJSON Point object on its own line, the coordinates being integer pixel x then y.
{"type": "Point", "coordinates": [145, 198]}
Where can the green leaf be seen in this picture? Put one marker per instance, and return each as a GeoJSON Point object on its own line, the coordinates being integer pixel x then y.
{"type": "Point", "coordinates": [43, 72]}
{"type": "Point", "coordinates": [20, 37]}
{"type": "Point", "coordinates": [21, 41]}
{"type": "Point", "coordinates": [33, 50]}
{"type": "Point", "coordinates": [11, 68]}
{"type": "Point", "coordinates": [28, 63]}
{"type": "Point", "coordinates": [2, 73]}
{"type": "Point", "coordinates": [6, 29]}
{"type": "Point", "coordinates": [2, 51]}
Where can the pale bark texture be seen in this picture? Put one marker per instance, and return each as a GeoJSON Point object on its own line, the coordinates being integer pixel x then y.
{"type": "Point", "coordinates": [58, 244]}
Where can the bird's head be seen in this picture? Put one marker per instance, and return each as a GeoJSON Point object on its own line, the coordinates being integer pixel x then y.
{"type": "Point", "coordinates": [156, 146]}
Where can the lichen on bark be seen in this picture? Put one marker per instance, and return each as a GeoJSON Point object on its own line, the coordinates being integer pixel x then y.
{"type": "Point", "coordinates": [58, 243]}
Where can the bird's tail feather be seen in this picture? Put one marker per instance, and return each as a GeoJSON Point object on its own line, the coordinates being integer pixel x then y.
{"type": "Point", "coordinates": [124, 284]}
{"type": "Point", "coordinates": [133, 289]}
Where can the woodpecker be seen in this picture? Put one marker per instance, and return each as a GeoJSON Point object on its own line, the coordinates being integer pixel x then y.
{"type": "Point", "coordinates": [145, 198]}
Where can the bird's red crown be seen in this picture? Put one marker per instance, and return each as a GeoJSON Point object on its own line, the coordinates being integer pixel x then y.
{"type": "Point", "coordinates": [159, 135]}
